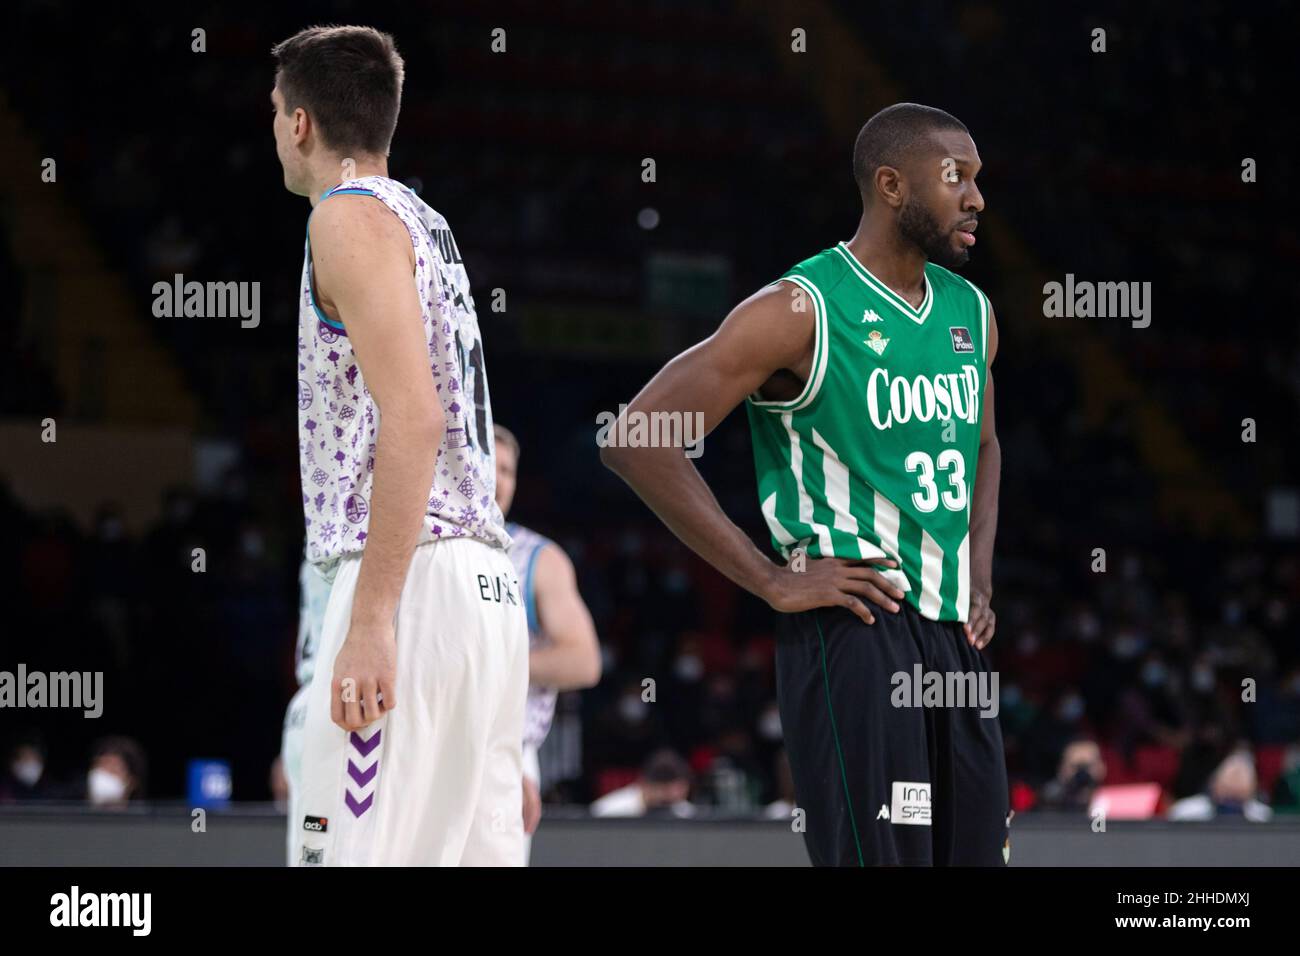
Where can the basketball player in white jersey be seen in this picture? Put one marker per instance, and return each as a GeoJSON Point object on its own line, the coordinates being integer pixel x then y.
{"type": "Point", "coordinates": [564, 651]}
{"type": "Point", "coordinates": [411, 732]}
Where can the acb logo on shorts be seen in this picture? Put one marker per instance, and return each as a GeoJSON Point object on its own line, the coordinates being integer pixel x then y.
{"type": "Point", "coordinates": [316, 824]}
{"type": "Point", "coordinates": [910, 804]}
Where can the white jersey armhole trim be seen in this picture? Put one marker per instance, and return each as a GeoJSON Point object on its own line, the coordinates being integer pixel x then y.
{"type": "Point", "coordinates": [985, 307]}
{"type": "Point", "coordinates": [821, 346]}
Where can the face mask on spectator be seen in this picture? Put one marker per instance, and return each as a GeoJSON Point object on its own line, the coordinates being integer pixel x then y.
{"type": "Point", "coordinates": [27, 771]}
{"type": "Point", "coordinates": [103, 786]}
{"type": "Point", "coordinates": [1081, 780]}
{"type": "Point", "coordinates": [1203, 679]}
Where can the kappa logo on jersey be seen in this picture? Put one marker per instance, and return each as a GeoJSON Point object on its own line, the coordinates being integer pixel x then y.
{"type": "Point", "coordinates": [876, 342]}
{"type": "Point", "coordinates": [961, 340]}
{"type": "Point", "coordinates": [871, 316]}
{"type": "Point", "coordinates": [311, 857]}
{"type": "Point", "coordinates": [884, 812]}
{"type": "Point", "coordinates": [910, 804]}
{"type": "Point", "coordinates": [316, 824]}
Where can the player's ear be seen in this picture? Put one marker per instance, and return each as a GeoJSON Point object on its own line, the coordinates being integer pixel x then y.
{"type": "Point", "coordinates": [301, 124]}
{"type": "Point", "coordinates": [889, 185]}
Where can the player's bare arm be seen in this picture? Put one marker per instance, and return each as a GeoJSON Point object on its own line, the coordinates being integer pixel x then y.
{"type": "Point", "coordinates": [980, 621]}
{"type": "Point", "coordinates": [363, 263]}
{"type": "Point", "coordinates": [532, 805]}
{"type": "Point", "coordinates": [569, 659]}
{"type": "Point", "coordinates": [765, 338]}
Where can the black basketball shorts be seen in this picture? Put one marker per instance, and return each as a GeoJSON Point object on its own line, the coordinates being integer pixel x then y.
{"type": "Point", "coordinates": [882, 777]}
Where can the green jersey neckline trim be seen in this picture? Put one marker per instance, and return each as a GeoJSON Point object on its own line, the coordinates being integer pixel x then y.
{"type": "Point", "coordinates": [862, 272]}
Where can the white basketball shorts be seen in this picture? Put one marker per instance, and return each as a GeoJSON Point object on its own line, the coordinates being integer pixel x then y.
{"type": "Point", "coordinates": [314, 583]}
{"type": "Point", "coordinates": [435, 781]}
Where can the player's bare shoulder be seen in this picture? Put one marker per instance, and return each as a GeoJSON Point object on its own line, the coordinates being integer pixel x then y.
{"type": "Point", "coordinates": [770, 331]}
{"type": "Point", "coordinates": [361, 224]}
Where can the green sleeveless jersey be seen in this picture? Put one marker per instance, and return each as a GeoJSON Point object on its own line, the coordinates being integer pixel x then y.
{"type": "Point", "coordinates": [876, 457]}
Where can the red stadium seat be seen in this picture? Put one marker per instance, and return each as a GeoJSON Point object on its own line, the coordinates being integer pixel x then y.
{"type": "Point", "coordinates": [1117, 768]}
{"type": "Point", "coordinates": [613, 778]}
{"type": "Point", "coordinates": [1156, 764]}
{"type": "Point", "coordinates": [1268, 767]}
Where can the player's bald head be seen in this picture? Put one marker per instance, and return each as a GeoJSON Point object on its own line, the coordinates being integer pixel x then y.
{"type": "Point", "coordinates": [895, 136]}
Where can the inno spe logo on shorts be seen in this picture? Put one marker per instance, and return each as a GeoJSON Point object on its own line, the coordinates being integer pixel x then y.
{"type": "Point", "coordinates": [910, 803]}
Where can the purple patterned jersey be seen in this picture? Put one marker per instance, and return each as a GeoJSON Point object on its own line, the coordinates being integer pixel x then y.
{"type": "Point", "coordinates": [338, 420]}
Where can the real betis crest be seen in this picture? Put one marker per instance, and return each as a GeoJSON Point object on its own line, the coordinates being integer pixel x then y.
{"type": "Point", "coordinates": [876, 341]}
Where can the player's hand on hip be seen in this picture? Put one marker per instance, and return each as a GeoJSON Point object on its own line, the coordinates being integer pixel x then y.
{"type": "Point", "coordinates": [981, 620]}
{"type": "Point", "coordinates": [365, 675]}
{"type": "Point", "coordinates": [835, 582]}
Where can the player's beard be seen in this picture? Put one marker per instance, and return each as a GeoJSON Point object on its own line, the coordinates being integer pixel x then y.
{"type": "Point", "coordinates": [918, 226]}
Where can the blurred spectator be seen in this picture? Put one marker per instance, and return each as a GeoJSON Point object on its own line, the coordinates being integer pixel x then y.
{"type": "Point", "coordinates": [24, 775]}
{"type": "Point", "coordinates": [661, 790]}
{"type": "Point", "coordinates": [1232, 792]}
{"type": "Point", "coordinates": [1080, 773]}
{"type": "Point", "coordinates": [117, 774]}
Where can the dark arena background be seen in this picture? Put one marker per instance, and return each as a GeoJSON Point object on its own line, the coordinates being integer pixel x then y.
{"type": "Point", "coordinates": [1146, 571]}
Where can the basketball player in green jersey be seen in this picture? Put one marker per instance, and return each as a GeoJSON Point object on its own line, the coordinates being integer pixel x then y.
{"type": "Point", "coordinates": [865, 372]}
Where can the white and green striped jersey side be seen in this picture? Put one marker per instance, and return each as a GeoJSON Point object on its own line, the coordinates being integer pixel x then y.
{"type": "Point", "coordinates": [877, 456]}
